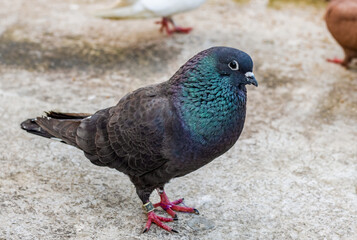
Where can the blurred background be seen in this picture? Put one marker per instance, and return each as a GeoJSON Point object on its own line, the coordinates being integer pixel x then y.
{"type": "Point", "coordinates": [291, 175]}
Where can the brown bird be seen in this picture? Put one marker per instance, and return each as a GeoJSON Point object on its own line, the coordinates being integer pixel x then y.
{"type": "Point", "coordinates": [341, 21]}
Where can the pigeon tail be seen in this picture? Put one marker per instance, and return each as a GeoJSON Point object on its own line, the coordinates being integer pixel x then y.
{"type": "Point", "coordinates": [31, 126]}
{"type": "Point", "coordinates": [58, 125]}
{"type": "Point", "coordinates": [133, 11]}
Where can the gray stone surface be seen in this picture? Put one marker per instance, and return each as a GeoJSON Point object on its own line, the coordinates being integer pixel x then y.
{"type": "Point", "coordinates": [292, 175]}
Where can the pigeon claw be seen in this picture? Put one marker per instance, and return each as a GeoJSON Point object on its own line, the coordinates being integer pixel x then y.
{"type": "Point", "coordinates": [196, 211]}
{"type": "Point", "coordinates": [153, 218]}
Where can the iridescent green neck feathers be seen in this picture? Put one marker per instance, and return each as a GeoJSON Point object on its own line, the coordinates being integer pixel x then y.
{"type": "Point", "coordinates": [210, 105]}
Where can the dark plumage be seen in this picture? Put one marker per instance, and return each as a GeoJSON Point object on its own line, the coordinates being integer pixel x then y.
{"type": "Point", "coordinates": [163, 131]}
{"type": "Point", "coordinates": [341, 20]}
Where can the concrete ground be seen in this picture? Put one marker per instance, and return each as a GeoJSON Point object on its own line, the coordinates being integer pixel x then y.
{"type": "Point", "coordinates": [292, 174]}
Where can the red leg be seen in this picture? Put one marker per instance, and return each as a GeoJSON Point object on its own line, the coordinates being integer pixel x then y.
{"type": "Point", "coordinates": [153, 218]}
{"type": "Point", "coordinates": [170, 207]}
{"type": "Point", "coordinates": [164, 26]}
{"type": "Point", "coordinates": [176, 29]}
{"type": "Point", "coordinates": [335, 60]}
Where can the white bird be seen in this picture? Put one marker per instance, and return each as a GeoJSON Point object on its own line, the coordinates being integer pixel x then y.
{"type": "Point", "coordinates": [150, 9]}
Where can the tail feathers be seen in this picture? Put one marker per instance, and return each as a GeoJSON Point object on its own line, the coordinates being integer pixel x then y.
{"type": "Point", "coordinates": [125, 11]}
{"type": "Point", "coordinates": [59, 115]}
{"type": "Point", "coordinates": [121, 13]}
{"type": "Point", "coordinates": [55, 125]}
{"type": "Point", "coordinates": [64, 129]}
{"type": "Point", "coordinates": [31, 126]}
{"type": "Point", "coordinates": [125, 3]}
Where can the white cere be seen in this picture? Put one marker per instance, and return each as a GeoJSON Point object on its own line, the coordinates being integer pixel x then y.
{"type": "Point", "coordinates": [249, 74]}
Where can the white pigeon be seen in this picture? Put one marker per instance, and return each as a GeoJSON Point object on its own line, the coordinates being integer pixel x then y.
{"type": "Point", "coordinates": [150, 9]}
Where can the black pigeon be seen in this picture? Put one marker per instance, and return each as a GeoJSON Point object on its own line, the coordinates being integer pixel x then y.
{"type": "Point", "coordinates": [166, 130]}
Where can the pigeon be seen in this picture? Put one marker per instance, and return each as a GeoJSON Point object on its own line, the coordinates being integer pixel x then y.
{"type": "Point", "coordinates": [151, 9]}
{"type": "Point", "coordinates": [163, 131]}
{"type": "Point", "coordinates": [341, 20]}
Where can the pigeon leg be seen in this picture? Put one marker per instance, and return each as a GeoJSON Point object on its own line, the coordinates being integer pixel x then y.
{"type": "Point", "coordinates": [153, 218]}
{"type": "Point", "coordinates": [164, 25]}
{"type": "Point", "coordinates": [171, 207]}
{"type": "Point", "coordinates": [178, 29]}
{"type": "Point", "coordinates": [335, 60]}
{"type": "Point", "coordinates": [341, 62]}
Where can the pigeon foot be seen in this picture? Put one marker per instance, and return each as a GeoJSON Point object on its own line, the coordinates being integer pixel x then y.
{"type": "Point", "coordinates": [153, 218]}
{"type": "Point", "coordinates": [171, 207]}
{"type": "Point", "coordinates": [335, 60]}
{"type": "Point", "coordinates": [166, 21]}
{"type": "Point", "coordinates": [182, 30]}
{"type": "Point", "coordinates": [341, 62]}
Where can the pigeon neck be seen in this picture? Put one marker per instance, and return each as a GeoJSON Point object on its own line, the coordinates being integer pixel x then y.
{"type": "Point", "coordinates": [211, 112]}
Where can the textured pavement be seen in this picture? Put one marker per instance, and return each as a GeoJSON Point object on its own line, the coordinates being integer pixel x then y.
{"type": "Point", "coordinates": [291, 175]}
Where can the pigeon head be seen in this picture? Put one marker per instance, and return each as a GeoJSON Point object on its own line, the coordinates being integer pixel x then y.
{"type": "Point", "coordinates": [222, 66]}
{"type": "Point", "coordinates": [234, 64]}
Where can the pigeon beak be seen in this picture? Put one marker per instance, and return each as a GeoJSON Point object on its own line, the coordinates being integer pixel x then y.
{"type": "Point", "coordinates": [251, 78]}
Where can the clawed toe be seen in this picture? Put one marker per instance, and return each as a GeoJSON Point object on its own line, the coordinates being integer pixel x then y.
{"type": "Point", "coordinates": [171, 207]}
{"type": "Point", "coordinates": [182, 30]}
{"type": "Point", "coordinates": [153, 218]}
{"type": "Point", "coordinates": [196, 211]}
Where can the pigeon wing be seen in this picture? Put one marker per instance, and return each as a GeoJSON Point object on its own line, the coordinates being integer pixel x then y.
{"type": "Point", "coordinates": [129, 136]}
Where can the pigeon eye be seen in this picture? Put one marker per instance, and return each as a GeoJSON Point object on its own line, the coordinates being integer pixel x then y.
{"type": "Point", "coordinates": [233, 65]}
